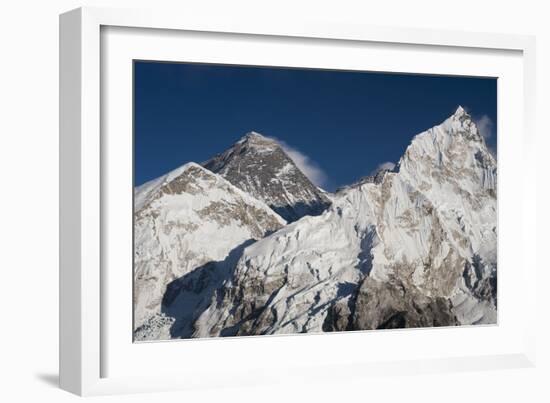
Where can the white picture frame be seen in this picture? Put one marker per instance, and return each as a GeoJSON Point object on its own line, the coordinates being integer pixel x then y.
{"type": "Point", "coordinates": [85, 344]}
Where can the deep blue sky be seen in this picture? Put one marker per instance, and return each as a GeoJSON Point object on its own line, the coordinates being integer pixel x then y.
{"type": "Point", "coordinates": [346, 122]}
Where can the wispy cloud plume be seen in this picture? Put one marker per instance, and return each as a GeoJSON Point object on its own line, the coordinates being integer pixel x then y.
{"type": "Point", "coordinates": [485, 126]}
{"type": "Point", "coordinates": [309, 167]}
{"type": "Point", "coordinates": [385, 165]}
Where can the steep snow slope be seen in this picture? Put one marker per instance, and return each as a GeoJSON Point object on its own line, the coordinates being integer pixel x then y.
{"type": "Point", "coordinates": [259, 166]}
{"type": "Point", "coordinates": [190, 226]}
{"type": "Point", "coordinates": [415, 248]}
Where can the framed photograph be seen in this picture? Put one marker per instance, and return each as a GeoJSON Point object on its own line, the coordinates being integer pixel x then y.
{"type": "Point", "coordinates": [297, 199]}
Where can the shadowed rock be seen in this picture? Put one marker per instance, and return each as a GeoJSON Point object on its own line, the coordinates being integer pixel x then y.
{"type": "Point", "coordinates": [258, 165]}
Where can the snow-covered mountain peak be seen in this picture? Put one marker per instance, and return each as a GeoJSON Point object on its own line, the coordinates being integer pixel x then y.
{"type": "Point", "coordinates": [259, 166]}
{"type": "Point", "coordinates": [175, 181]}
{"type": "Point", "coordinates": [455, 143]}
{"type": "Point", "coordinates": [191, 168]}
{"type": "Point", "coordinates": [255, 136]}
{"type": "Point", "coordinates": [190, 220]}
{"type": "Point", "coordinates": [258, 141]}
{"type": "Point", "coordinates": [462, 123]}
{"type": "Point", "coordinates": [460, 111]}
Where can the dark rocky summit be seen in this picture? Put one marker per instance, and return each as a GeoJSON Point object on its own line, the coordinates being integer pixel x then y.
{"type": "Point", "coordinates": [259, 166]}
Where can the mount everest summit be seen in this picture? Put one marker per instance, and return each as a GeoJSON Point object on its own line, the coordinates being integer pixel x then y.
{"type": "Point", "coordinates": [259, 166]}
{"type": "Point", "coordinates": [245, 244]}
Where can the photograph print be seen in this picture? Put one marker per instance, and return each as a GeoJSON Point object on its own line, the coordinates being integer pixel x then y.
{"type": "Point", "coordinates": [273, 200]}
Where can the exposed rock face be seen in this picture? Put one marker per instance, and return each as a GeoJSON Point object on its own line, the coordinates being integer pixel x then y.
{"type": "Point", "coordinates": [259, 166]}
{"type": "Point", "coordinates": [393, 305]}
{"type": "Point", "coordinates": [417, 247]}
{"type": "Point", "coordinates": [190, 228]}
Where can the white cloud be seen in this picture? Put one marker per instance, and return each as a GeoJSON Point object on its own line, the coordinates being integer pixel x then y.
{"type": "Point", "coordinates": [485, 126]}
{"type": "Point", "coordinates": [385, 165]}
{"type": "Point", "coordinates": [493, 151]}
{"type": "Point", "coordinates": [309, 167]}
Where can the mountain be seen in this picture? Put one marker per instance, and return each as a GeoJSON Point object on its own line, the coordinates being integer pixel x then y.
{"type": "Point", "coordinates": [259, 166]}
{"type": "Point", "coordinates": [415, 247]}
{"type": "Point", "coordinates": [376, 177]}
{"type": "Point", "coordinates": [190, 227]}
